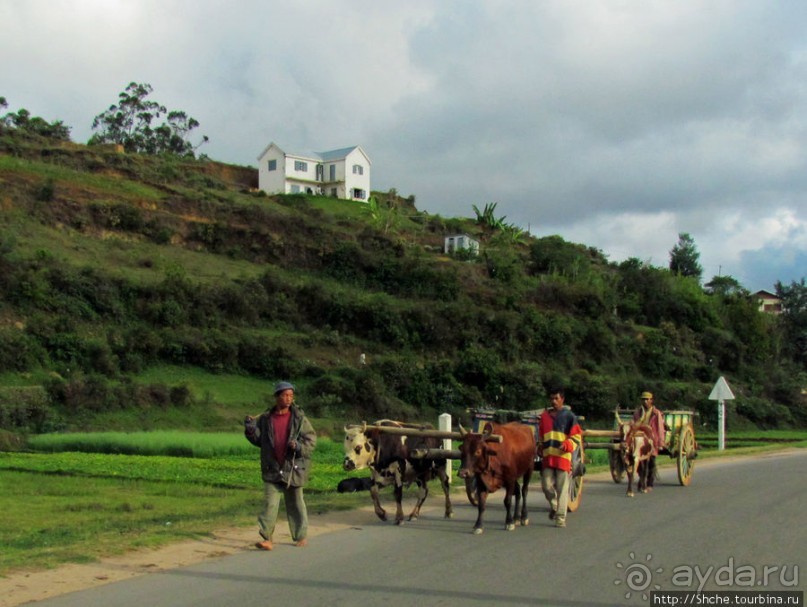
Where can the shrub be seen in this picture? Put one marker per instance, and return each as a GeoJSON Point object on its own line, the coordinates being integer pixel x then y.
{"type": "Point", "coordinates": [591, 395]}
{"type": "Point", "coordinates": [11, 441]}
{"type": "Point", "coordinates": [348, 262]}
{"type": "Point", "coordinates": [521, 387]}
{"type": "Point", "coordinates": [479, 367]}
{"type": "Point", "coordinates": [46, 191]}
{"type": "Point", "coordinates": [181, 396]}
{"type": "Point", "coordinates": [158, 232]}
{"type": "Point", "coordinates": [764, 413]}
{"type": "Point", "coordinates": [259, 356]}
{"type": "Point", "coordinates": [117, 216]}
{"type": "Point", "coordinates": [26, 409]}
{"type": "Point", "coordinates": [20, 351]}
{"type": "Point", "coordinates": [407, 379]}
{"type": "Point", "coordinates": [553, 255]}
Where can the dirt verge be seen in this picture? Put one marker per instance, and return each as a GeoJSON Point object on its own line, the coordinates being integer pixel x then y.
{"type": "Point", "coordinates": [26, 586]}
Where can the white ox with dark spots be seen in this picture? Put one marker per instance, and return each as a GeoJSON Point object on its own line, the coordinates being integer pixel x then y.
{"type": "Point", "coordinates": [387, 457]}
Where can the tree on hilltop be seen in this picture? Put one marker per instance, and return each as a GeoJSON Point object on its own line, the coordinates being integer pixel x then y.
{"type": "Point", "coordinates": [725, 286]}
{"type": "Point", "coordinates": [684, 257]}
{"type": "Point", "coordinates": [794, 317]}
{"type": "Point", "coordinates": [21, 121]}
{"type": "Point", "coordinates": [133, 123]}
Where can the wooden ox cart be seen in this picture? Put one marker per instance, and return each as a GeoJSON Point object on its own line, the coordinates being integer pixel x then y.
{"type": "Point", "coordinates": [679, 440]}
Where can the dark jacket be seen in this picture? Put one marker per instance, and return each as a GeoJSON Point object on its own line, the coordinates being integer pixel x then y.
{"type": "Point", "coordinates": [296, 468]}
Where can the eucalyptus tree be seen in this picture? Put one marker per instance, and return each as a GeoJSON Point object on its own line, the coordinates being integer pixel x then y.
{"type": "Point", "coordinates": [145, 126]}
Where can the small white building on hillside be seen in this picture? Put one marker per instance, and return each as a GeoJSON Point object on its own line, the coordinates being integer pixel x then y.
{"type": "Point", "coordinates": [456, 242]}
{"type": "Point", "coordinates": [343, 173]}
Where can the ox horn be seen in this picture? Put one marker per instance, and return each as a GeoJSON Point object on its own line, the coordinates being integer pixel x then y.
{"type": "Point", "coordinates": [463, 431]}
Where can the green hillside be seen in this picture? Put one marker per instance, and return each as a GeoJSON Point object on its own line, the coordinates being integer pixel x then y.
{"type": "Point", "coordinates": [158, 292]}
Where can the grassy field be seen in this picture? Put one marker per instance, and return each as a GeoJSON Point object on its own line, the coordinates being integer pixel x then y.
{"type": "Point", "coordinates": [140, 261]}
{"type": "Point", "coordinates": [160, 442]}
{"type": "Point", "coordinates": [224, 388]}
{"type": "Point", "coordinates": [70, 506]}
{"type": "Point", "coordinates": [79, 497]}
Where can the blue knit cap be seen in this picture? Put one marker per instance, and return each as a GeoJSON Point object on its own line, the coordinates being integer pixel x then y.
{"type": "Point", "coordinates": [282, 386]}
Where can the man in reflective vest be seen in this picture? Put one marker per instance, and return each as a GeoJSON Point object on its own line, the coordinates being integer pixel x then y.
{"type": "Point", "coordinates": [559, 434]}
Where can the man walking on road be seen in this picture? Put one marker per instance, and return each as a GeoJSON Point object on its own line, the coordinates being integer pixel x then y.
{"type": "Point", "coordinates": [286, 439]}
{"type": "Point", "coordinates": [559, 436]}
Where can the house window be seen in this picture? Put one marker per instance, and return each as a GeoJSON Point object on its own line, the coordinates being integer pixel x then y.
{"type": "Point", "coordinates": [358, 169]}
{"type": "Point", "coordinates": [272, 165]}
{"type": "Point", "coordinates": [332, 171]}
{"type": "Point", "coordinates": [334, 193]}
{"type": "Point", "coordinates": [300, 166]}
{"type": "Point", "coordinates": [358, 194]}
{"type": "Point", "coordinates": [295, 189]}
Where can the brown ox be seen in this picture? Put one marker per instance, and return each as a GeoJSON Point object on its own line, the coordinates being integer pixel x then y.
{"type": "Point", "coordinates": [636, 449]}
{"type": "Point", "coordinates": [387, 457]}
{"type": "Point", "coordinates": [497, 465]}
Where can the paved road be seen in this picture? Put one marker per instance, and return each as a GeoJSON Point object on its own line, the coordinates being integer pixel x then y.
{"type": "Point", "coordinates": [738, 517]}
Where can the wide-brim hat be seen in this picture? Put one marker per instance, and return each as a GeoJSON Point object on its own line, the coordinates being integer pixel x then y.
{"type": "Point", "coordinates": [646, 395]}
{"type": "Point", "coordinates": [282, 386]}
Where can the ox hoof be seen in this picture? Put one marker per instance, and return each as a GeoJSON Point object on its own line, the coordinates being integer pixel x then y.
{"type": "Point", "coordinates": [510, 527]}
{"type": "Point", "coordinates": [630, 494]}
{"type": "Point", "coordinates": [449, 515]}
{"type": "Point", "coordinates": [525, 522]}
{"type": "Point", "coordinates": [477, 531]}
{"type": "Point", "coordinates": [400, 523]}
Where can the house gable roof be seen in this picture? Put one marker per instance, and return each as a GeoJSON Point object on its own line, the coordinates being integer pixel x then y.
{"type": "Point", "coordinates": [269, 147]}
{"type": "Point", "coordinates": [327, 156]}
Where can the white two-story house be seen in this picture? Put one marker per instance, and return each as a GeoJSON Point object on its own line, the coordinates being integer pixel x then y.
{"type": "Point", "coordinates": [343, 173]}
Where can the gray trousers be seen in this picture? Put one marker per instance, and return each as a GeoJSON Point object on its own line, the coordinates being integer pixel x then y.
{"type": "Point", "coordinates": [555, 484]}
{"type": "Point", "coordinates": [296, 511]}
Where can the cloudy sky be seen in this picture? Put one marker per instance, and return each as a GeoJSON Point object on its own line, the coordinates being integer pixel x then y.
{"type": "Point", "coordinates": [616, 124]}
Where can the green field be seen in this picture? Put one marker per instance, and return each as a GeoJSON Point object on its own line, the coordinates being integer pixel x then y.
{"type": "Point", "coordinates": [70, 506]}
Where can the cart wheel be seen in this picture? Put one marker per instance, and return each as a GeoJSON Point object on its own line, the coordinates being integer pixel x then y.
{"type": "Point", "coordinates": [617, 466]}
{"type": "Point", "coordinates": [575, 492]}
{"type": "Point", "coordinates": [686, 455]}
{"type": "Point", "coordinates": [576, 482]}
{"type": "Point", "coordinates": [470, 490]}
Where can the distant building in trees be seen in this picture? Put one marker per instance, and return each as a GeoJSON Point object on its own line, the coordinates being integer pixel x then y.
{"type": "Point", "coordinates": [768, 302]}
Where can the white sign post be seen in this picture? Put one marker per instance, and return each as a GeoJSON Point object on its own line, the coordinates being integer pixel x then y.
{"type": "Point", "coordinates": [444, 424]}
{"type": "Point", "coordinates": [721, 393]}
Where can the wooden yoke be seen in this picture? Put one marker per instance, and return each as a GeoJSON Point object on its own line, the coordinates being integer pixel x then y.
{"type": "Point", "coordinates": [422, 431]}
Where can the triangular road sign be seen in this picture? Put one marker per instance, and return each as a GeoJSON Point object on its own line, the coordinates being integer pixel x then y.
{"type": "Point", "coordinates": [721, 391]}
